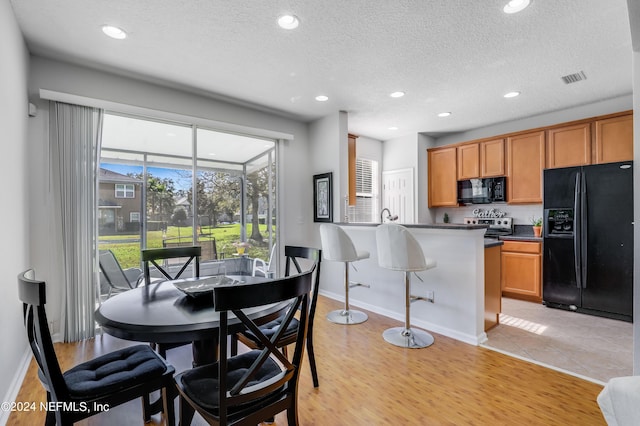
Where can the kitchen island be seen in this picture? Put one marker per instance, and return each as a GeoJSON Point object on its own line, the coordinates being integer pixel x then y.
{"type": "Point", "coordinates": [457, 282]}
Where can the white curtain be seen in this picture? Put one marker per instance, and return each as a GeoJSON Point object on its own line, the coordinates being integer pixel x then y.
{"type": "Point", "coordinates": [75, 134]}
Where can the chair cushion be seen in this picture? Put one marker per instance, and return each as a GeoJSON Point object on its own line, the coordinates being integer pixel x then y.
{"type": "Point", "coordinates": [114, 371]}
{"type": "Point", "coordinates": [202, 386]}
{"type": "Point", "coordinates": [271, 328]}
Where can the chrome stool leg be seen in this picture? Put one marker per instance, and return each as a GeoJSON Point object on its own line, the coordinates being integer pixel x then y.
{"type": "Point", "coordinates": [346, 315]}
{"type": "Point", "coordinates": [405, 336]}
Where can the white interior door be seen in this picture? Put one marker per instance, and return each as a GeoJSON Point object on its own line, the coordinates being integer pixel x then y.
{"type": "Point", "coordinates": [397, 194]}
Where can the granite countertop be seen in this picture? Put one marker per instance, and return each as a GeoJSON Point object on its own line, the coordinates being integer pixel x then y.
{"type": "Point", "coordinates": [460, 226]}
{"type": "Point", "coordinates": [522, 233]}
{"type": "Point", "coordinates": [492, 242]}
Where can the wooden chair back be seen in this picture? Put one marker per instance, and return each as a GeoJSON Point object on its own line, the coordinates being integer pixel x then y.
{"type": "Point", "coordinates": [187, 255]}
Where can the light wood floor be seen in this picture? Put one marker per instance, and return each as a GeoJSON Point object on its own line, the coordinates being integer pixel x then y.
{"type": "Point", "coordinates": [365, 381]}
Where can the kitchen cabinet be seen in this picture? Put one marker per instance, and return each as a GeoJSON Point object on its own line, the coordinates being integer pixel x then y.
{"type": "Point", "coordinates": [525, 162]}
{"type": "Point", "coordinates": [442, 187]}
{"type": "Point", "coordinates": [569, 146]}
{"type": "Point", "coordinates": [468, 161]}
{"type": "Point", "coordinates": [352, 169]}
{"type": "Point", "coordinates": [614, 139]}
{"type": "Point", "coordinates": [521, 270]}
{"type": "Point", "coordinates": [492, 287]}
{"type": "Point", "coordinates": [481, 159]}
{"type": "Point", "coordinates": [492, 158]}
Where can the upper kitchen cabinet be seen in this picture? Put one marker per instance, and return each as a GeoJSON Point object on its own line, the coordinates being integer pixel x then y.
{"type": "Point", "coordinates": [468, 161]}
{"type": "Point", "coordinates": [443, 187]}
{"type": "Point", "coordinates": [481, 159]}
{"type": "Point", "coordinates": [569, 146]}
{"type": "Point", "coordinates": [614, 139]}
{"type": "Point", "coordinates": [492, 158]}
{"type": "Point", "coordinates": [352, 169]}
{"type": "Point", "coordinates": [525, 162]}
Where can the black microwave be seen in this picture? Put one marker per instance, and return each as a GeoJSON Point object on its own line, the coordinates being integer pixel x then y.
{"type": "Point", "coordinates": [482, 191]}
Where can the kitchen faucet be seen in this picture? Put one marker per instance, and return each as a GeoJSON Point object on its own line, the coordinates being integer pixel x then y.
{"type": "Point", "coordinates": [389, 217]}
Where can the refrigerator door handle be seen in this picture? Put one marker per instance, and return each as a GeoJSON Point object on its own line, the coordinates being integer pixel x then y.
{"type": "Point", "coordinates": [577, 230]}
{"type": "Point", "coordinates": [583, 231]}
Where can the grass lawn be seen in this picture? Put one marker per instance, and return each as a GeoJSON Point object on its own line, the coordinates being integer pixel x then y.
{"type": "Point", "coordinates": [128, 252]}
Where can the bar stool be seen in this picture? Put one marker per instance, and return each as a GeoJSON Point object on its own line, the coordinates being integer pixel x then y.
{"type": "Point", "coordinates": [398, 250]}
{"type": "Point", "coordinates": [337, 246]}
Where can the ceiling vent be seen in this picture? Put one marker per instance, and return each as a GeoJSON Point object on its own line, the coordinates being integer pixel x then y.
{"type": "Point", "coordinates": [574, 78]}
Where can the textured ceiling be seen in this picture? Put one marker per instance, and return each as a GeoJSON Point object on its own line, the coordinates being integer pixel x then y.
{"type": "Point", "coordinates": [447, 55]}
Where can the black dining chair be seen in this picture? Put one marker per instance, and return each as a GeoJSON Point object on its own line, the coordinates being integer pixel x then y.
{"type": "Point", "coordinates": [254, 386]}
{"type": "Point", "coordinates": [101, 383]}
{"type": "Point", "coordinates": [171, 263]}
{"type": "Point", "coordinates": [292, 256]}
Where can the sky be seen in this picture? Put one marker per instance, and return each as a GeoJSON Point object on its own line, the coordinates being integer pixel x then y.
{"type": "Point", "coordinates": [181, 182]}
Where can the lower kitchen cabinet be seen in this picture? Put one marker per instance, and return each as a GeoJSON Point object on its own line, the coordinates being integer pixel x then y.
{"type": "Point", "coordinates": [521, 270]}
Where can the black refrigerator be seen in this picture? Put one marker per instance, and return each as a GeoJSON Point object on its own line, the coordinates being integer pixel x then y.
{"type": "Point", "coordinates": [588, 239]}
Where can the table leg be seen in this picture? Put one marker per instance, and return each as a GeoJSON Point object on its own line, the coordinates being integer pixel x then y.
{"type": "Point", "coordinates": [205, 351]}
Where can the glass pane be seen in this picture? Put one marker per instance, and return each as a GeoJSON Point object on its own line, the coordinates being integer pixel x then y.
{"type": "Point", "coordinates": [260, 210]}
{"type": "Point", "coordinates": [218, 201]}
{"type": "Point", "coordinates": [119, 216]}
{"type": "Point", "coordinates": [169, 213]}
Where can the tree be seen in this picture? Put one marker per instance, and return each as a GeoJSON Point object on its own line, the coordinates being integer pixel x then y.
{"type": "Point", "coordinates": [217, 193]}
{"type": "Point", "coordinates": [160, 196]}
{"type": "Point", "coordinates": [257, 189]}
{"type": "Point", "coordinates": [179, 216]}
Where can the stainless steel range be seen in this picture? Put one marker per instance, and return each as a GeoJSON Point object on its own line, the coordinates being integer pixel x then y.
{"type": "Point", "coordinates": [498, 226]}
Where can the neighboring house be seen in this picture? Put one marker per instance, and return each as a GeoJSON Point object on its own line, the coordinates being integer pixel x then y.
{"type": "Point", "coordinates": [119, 203]}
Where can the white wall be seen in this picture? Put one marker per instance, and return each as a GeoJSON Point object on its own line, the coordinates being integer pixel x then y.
{"type": "Point", "coordinates": [328, 138]}
{"type": "Point", "coordinates": [294, 195]}
{"type": "Point", "coordinates": [410, 151]}
{"type": "Point", "coordinates": [15, 170]}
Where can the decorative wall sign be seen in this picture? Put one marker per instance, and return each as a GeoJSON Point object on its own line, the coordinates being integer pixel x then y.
{"type": "Point", "coordinates": [322, 193]}
{"type": "Point", "coordinates": [493, 213]}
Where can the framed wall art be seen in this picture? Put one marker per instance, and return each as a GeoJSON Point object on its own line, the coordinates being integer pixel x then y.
{"type": "Point", "coordinates": [322, 193]}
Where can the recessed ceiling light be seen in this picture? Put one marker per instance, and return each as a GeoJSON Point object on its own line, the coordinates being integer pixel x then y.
{"type": "Point", "coordinates": [212, 154]}
{"type": "Point", "coordinates": [515, 6]}
{"type": "Point", "coordinates": [322, 98]}
{"type": "Point", "coordinates": [444, 114]}
{"type": "Point", "coordinates": [288, 22]}
{"type": "Point", "coordinates": [511, 94]}
{"type": "Point", "coordinates": [393, 128]}
{"type": "Point", "coordinates": [397, 94]}
{"type": "Point", "coordinates": [114, 32]}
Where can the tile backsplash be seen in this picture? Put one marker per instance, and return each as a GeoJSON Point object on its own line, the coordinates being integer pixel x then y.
{"type": "Point", "coordinates": [521, 214]}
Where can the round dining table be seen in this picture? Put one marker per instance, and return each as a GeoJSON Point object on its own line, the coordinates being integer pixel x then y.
{"type": "Point", "coordinates": [160, 313]}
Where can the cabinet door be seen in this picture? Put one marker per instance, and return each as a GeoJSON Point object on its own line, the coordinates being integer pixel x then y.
{"type": "Point", "coordinates": [521, 275]}
{"type": "Point", "coordinates": [443, 187]}
{"type": "Point", "coordinates": [525, 162]}
{"type": "Point", "coordinates": [492, 158]}
{"type": "Point", "coordinates": [614, 139]}
{"type": "Point", "coordinates": [569, 146]}
{"type": "Point", "coordinates": [468, 161]}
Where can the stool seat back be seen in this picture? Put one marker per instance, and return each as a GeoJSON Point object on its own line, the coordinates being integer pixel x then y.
{"type": "Point", "coordinates": [336, 244]}
{"type": "Point", "coordinates": [398, 250]}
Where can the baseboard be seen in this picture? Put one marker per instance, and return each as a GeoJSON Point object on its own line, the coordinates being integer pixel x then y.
{"type": "Point", "coordinates": [16, 384]}
{"type": "Point", "coordinates": [463, 337]}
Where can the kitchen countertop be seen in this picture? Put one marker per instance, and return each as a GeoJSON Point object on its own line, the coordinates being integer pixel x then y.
{"type": "Point", "coordinates": [522, 233]}
{"type": "Point", "coordinates": [460, 226]}
{"type": "Point", "coordinates": [492, 242]}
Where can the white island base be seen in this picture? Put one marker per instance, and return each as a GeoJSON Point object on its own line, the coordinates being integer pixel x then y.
{"type": "Point", "coordinates": [457, 282]}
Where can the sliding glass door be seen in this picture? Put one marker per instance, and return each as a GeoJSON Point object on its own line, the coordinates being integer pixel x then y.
{"type": "Point", "coordinates": [169, 184]}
